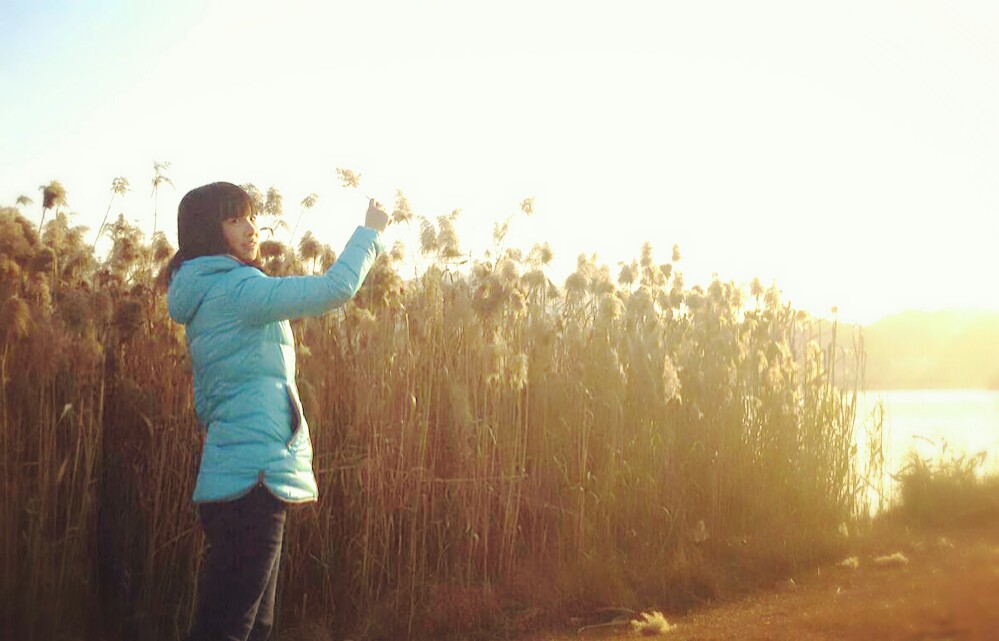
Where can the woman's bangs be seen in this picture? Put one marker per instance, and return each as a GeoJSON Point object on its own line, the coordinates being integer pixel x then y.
{"type": "Point", "coordinates": [238, 204]}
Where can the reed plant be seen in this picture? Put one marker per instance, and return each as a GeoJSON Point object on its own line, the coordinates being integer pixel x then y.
{"type": "Point", "coordinates": [488, 443]}
{"type": "Point", "coordinates": [947, 488]}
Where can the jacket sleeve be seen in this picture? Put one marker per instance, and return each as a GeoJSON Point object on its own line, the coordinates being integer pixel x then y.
{"type": "Point", "coordinates": [260, 299]}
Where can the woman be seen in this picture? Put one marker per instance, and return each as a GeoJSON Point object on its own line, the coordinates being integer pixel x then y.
{"type": "Point", "coordinates": [257, 455]}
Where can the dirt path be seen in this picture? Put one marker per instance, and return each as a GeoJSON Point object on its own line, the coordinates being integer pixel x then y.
{"type": "Point", "coordinates": [946, 590]}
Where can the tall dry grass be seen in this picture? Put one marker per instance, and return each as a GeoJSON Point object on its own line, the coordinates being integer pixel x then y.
{"type": "Point", "coordinates": [488, 445]}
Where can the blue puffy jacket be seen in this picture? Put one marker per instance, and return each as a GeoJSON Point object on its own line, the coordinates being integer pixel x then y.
{"type": "Point", "coordinates": [243, 358]}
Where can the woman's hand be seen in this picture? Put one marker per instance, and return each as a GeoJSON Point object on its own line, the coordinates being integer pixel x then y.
{"type": "Point", "coordinates": [376, 218]}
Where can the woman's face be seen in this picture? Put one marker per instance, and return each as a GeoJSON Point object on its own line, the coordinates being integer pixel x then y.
{"type": "Point", "coordinates": [240, 234]}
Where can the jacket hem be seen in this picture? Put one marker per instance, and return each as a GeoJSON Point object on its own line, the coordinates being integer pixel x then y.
{"type": "Point", "coordinates": [261, 483]}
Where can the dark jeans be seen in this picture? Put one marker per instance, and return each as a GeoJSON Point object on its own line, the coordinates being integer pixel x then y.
{"type": "Point", "coordinates": [240, 571]}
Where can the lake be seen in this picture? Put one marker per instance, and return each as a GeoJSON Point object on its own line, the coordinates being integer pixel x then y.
{"type": "Point", "coordinates": [923, 420]}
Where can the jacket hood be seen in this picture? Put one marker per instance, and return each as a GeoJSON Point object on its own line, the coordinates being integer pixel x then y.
{"type": "Point", "coordinates": [192, 281]}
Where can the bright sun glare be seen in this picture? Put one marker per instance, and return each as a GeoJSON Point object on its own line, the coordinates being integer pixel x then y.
{"type": "Point", "coordinates": [850, 161]}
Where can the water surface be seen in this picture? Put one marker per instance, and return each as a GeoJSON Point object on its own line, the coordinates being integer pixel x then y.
{"type": "Point", "coordinates": [923, 421]}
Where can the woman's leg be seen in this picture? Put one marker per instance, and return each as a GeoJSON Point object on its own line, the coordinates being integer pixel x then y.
{"type": "Point", "coordinates": [240, 569]}
{"type": "Point", "coordinates": [265, 612]}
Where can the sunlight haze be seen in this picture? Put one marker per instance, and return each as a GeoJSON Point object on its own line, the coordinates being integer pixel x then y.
{"type": "Point", "coordinates": [844, 151]}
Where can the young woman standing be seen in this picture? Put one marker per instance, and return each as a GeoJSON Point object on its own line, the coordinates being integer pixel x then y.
{"type": "Point", "coordinates": [257, 454]}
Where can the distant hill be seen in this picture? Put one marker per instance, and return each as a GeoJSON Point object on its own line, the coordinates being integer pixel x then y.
{"type": "Point", "coordinates": [946, 349]}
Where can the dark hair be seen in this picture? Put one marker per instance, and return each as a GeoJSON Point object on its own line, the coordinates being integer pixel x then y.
{"type": "Point", "coordinates": [199, 221]}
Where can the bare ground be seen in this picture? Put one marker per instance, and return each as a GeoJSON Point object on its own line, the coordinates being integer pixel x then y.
{"type": "Point", "coordinates": [946, 589]}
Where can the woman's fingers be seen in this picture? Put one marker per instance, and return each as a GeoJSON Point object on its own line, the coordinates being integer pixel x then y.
{"type": "Point", "coordinates": [376, 218]}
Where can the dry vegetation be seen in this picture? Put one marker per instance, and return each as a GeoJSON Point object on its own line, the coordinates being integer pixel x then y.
{"type": "Point", "coordinates": [492, 449]}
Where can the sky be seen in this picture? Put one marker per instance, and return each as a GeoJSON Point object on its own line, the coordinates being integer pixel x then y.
{"type": "Point", "coordinates": [847, 152]}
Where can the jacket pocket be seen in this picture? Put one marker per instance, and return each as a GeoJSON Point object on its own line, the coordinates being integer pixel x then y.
{"type": "Point", "coordinates": [297, 415]}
